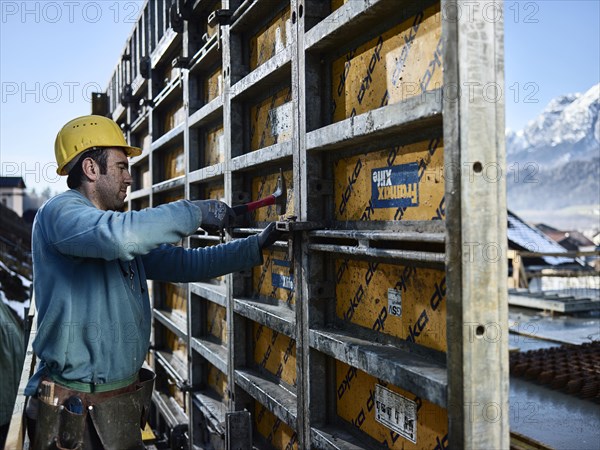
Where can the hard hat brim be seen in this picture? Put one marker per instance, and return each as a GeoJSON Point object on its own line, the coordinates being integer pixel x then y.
{"type": "Point", "coordinates": [132, 151]}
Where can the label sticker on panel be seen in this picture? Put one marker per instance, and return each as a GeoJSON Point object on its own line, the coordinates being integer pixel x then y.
{"type": "Point", "coordinates": [396, 412]}
{"type": "Point", "coordinates": [395, 186]}
{"type": "Point", "coordinates": [395, 302]}
{"type": "Point", "coordinates": [280, 275]}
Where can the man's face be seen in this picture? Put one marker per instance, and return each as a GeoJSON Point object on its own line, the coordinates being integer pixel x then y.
{"type": "Point", "coordinates": [111, 188]}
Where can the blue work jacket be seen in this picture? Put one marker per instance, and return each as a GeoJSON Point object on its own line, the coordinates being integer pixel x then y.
{"type": "Point", "coordinates": [90, 269]}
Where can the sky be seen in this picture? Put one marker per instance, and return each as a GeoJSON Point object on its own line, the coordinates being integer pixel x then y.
{"type": "Point", "coordinates": [54, 54]}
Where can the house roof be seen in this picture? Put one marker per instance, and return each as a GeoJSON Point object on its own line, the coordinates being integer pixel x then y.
{"type": "Point", "coordinates": [531, 239]}
{"type": "Point", "coordinates": [12, 182]}
{"type": "Point", "coordinates": [575, 237]}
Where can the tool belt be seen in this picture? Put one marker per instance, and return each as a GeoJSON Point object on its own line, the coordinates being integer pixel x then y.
{"type": "Point", "coordinates": [116, 415]}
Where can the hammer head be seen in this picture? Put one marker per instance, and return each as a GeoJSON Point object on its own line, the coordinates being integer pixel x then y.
{"type": "Point", "coordinates": [280, 195]}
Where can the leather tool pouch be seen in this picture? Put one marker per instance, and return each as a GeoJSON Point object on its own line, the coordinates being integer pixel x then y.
{"type": "Point", "coordinates": [70, 430]}
{"type": "Point", "coordinates": [118, 419]}
{"type": "Point", "coordinates": [46, 430]}
{"type": "Point", "coordinates": [146, 385]}
{"type": "Point", "coordinates": [58, 428]}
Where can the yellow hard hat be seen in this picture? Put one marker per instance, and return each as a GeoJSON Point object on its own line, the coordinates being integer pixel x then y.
{"type": "Point", "coordinates": [88, 132]}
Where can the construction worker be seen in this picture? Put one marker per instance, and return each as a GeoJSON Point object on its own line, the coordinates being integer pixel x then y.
{"type": "Point", "coordinates": [91, 262]}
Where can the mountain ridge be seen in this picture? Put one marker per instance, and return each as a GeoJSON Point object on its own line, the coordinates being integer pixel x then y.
{"type": "Point", "coordinates": [562, 145]}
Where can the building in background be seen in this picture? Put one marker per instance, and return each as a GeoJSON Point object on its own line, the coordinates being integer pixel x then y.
{"type": "Point", "coordinates": [12, 193]}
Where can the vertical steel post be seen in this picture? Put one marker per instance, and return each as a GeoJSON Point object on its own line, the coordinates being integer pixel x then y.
{"type": "Point", "coordinates": [476, 241]}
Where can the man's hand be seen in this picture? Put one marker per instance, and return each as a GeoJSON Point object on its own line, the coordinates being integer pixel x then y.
{"type": "Point", "coordinates": [268, 236]}
{"type": "Point", "coordinates": [216, 215]}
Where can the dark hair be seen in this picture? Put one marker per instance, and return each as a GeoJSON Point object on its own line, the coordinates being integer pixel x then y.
{"type": "Point", "coordinates": [76, 175]}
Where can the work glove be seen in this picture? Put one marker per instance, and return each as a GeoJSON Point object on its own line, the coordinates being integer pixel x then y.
{"type": "Point", "coordinates": [216, 215]}
{"type": "Point", "coordinates": [268, 236]}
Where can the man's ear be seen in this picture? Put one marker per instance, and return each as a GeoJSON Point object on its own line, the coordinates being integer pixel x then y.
{"type": "Point", "coordinates": [90, 169]}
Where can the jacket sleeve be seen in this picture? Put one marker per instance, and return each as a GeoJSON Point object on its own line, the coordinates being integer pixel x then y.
{"type": "Point", "coordinates": [75, 227]}
{"type": "Point", "coordinates": [181, 265]}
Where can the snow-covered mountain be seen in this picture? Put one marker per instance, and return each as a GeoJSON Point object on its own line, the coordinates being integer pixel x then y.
{"type": "Point", "coordinates": [557, 160]}
{"type": "Point", "coordinates": [568, 129]}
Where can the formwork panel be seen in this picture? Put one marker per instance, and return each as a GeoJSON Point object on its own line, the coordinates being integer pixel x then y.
{"type": "Point", "coordinates": [168, 197]}
{"type": "Point", "coordinates": [264, 186]}
{"type": "Point", "coordinates": [276, 432]}
{"type": "Point", "coordinates": [271, 120]}
{"type": "Point", "coordinates": [400, 183]}
{"type": "Point", "coordinates": [274, 278]}
{"type": "Point", "coordinates": [141, 176]}
{"type": "Point", "coordinates": [400, 63]}
{"type": "Point", "coordinates": [216, 321]}
{"type": "Point", "coordinates": [275, 353]}
{"type": "Point", "coordinates": [212, 29]}
{"type": "Point", "coordinates": [175, 345]}
{"type": "Point", "coordinates": [140, 204]}
{"type": "Point", "coordinates": [216, 192]}
{"type": "Point", "coordinates": [173, 115]}
{"type": "Point", "coordinates": [170, 74]}
{"type": "Point", "coordinates": [388, 414]}
{"type": "Point", "coordinates": [214, 147]}
{"type": "Point", "coordinates": [217, 380]}
{"type": "Point", "coordinates": [213, 85]}
{"type": "Point", "coordinates": [271, 39]}
{"type": "Point", "coordinates": [176, 299]}
{"type": "Point", "coordinates": [336, 4]}
{"type": "Point", "coordinates": [177, 395]}
{"type": "Point", "coordinates": [172, 163]}
{"type": "Point", "coordinates": [403, 301]}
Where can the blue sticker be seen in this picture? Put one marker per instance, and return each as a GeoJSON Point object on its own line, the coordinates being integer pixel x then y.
{"type": "Point", "coordinates": [282, 281]}
{"type": "Point", "coordinates": [395, 186]}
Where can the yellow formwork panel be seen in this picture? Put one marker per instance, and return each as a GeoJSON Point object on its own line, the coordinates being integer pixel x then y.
{"type": "Point", "coordinates": [335, 4]}
{"type": "Point", "coordinates": [170, 74]}
{"type": "Point", "coordinates": [403, 301]}
{"type": "Point", "coordinates": [274, 278]}
{"type": "Point", "coordinates": [401, 63]}
{"type": "Point", "coordinates": [213, 85]}
{"type": "Point", "coordinates": [146, 142]}
{"type": "Point", "coordinates": [212, 29]}
{"type": "Point", "coordinates": [142, 203]}
{"type": "Point", "coordinates": [271, 120]}
{"type": "Point", "coordinates": [217, 380]}
{"type": "Point", "coordinates": [215, 192]}
{"type": "Point", "coordinates": [275, 352]}
{"type": "Point", "coordinates": [173, 116]}
{"type": "Point", "coordinates": [264, 186]}
{"type": "Point", "coordinates": [142, 176]}
{"type": "Point", "coordinates": [421, 425]}
{"type": "Point", "coordinates": [176, 298]}
{"type": "Point", "coordinates": [173, 163]}
{"type": "Point", "coordinates": [177, 395]}
{"type": "Point", "coordinates": [216, 321]}
{"type": "Point", "coordinates": [271, 39]}
{"type": "Point", "coordinates": [276, 432]}
{"type": "Point", "coordinates": [175, 345]}
{"type": "Point", "coordinates": [168, 198]}
{"type": "Point", "coordinates": [214, 148]}
{"type": "Point", "coordinates": [399, 183]}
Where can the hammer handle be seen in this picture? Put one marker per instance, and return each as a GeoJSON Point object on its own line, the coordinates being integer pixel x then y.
{"type": "Point", "coordinates": [248, 207]}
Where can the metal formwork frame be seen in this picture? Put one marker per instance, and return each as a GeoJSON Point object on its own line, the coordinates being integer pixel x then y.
{"type": "Point", "coordinates": [470, 380]}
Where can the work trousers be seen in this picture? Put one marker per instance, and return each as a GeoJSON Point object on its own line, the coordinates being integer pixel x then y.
{"type": "Point", "coordinates": [109, 420]}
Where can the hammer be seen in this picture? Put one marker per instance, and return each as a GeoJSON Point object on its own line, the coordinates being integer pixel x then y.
{"type": "Point", "coordinates": [277, 198]}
